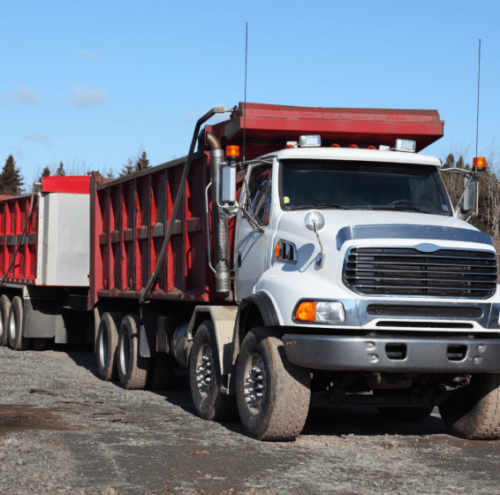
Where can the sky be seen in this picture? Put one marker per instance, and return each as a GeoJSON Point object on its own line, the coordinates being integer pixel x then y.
{"type": "Point", "coordinates": [92, 83]}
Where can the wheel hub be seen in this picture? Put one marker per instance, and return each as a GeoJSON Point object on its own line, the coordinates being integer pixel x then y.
{"type": "Point", "coordinates": [255, 383]}
{"type": "Point", "coordinates": [204, 370]}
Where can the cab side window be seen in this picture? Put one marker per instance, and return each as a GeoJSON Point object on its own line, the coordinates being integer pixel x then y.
{"type": "Point", "coordinates": [259, 199]}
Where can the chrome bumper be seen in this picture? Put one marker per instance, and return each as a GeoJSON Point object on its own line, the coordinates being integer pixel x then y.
{"type": "Point", "coordinates": [396, 354]}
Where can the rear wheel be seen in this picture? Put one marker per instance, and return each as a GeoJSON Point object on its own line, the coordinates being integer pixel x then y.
{"type": "Point", "coordinates": [473, 411]}
{"type": "Point", "coordinates": [15, 329]}
{"type": "Point", "coordinates": [132, 369]}
{"type": "Point", "coordinates": [4, 320]}
{"type": "Point", "coordinates": [205, 377]}
{"type": "Point", "coordinates": [273, 394]}
{"type": "Point", "coordinates": [106, 342]}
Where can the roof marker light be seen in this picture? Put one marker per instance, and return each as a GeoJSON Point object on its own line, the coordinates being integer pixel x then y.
{"type": "Point", "coordinates": [371, 147]}
{"type": "Point", "coordinates": [353, 146]}
{"type": "Point", "coordinates": [310, 141]}
{"type": "Point", "coordinates": [406, 145]}
{"type": "Point", "coordinates": [335, 145]}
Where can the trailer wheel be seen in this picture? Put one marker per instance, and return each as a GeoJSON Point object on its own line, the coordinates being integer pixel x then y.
{"type": "Point", "coordinates": [273, 394]}
{"type": "Point", "coordinates": [162, 372]}
{"type": "Point", "coordinates": [132, 369]}
{"type": "Point", "coordinates": [16, 340]}
{"type": "Point", "coordinates": [106, 342]}
{"type": "Point", "coordinates": [205, 378]}
{"type": "Point", "coordinates": [4, 320]}
{"type": "Point", "coordinates": [405, 414]}
{"type": "Point", "coordinates": [473, 412]}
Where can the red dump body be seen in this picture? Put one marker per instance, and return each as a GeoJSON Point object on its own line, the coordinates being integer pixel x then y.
{"type": "Point", "coordinates": [129, 215]}
{"type": "Point", "coordinates": [14, 211]}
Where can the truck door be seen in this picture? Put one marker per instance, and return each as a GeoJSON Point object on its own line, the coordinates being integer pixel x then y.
{"type": "Point", "coordinates": [252, 233]}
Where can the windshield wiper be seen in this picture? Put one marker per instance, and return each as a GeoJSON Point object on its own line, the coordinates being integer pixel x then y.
{"type": "Point", "coordinates": [398, 208]}
{"type": "Point", "coordinates": [320, 206]}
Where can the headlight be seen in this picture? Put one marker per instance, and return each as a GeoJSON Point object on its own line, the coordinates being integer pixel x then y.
{"type": "Point", "coordinates": [320, 312]}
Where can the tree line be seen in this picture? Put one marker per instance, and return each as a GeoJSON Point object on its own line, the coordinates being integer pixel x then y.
{"type": "Point", "coordinates": [12, 182]}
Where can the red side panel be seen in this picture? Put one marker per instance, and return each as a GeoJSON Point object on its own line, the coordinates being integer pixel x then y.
{"type": "Point", "coordinates": [268, 127]}
{"type": "Point", "coordinates": [129, 219]}
{"type": "Point", "coordinates": [13, 214]}
{"type": "Point", "coordinates": [70, 184]}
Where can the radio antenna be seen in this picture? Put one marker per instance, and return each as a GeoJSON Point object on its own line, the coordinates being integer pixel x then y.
{"type": "Point", "coordinates": [478, 81]}
{"type": "Point", "coordinates": [245, 96]}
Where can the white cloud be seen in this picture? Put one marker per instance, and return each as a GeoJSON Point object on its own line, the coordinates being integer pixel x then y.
{"type": "Point", "coordinates": [40, 137]}
{"type": "Point", "coordinates": [25, 95]}
{"type": "Point", "coordinates": [89, 56]}
{"type": "Point", "coordinates": [86, 98]}
{"type": "Point", "coordinates": [17, 150]}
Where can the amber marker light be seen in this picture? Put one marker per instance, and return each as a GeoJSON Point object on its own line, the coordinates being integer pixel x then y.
{"type": "Point", "coordinates": [277, 250]}
{"type": "Point", "coordinates": [233, 150]}
{"type": "Point", "coordinates": [479, 163]}
{"type": "Point", "coordinates": [353, 146]}
{"type": "Point", "coordinates": [306, 311]}
{"type": "Point", "coordinates": [335, 145]}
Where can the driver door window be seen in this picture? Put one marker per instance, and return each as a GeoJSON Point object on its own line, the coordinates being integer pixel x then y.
{"type": "Point", "coordinates": [259, 198]}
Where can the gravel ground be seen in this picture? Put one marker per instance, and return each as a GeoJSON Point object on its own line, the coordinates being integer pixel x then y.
{"type": "Point", "coordinates": [64, 431]}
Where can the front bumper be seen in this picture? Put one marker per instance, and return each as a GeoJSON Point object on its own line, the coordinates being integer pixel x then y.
{"type": "Point", "coordinates": [393, 354]}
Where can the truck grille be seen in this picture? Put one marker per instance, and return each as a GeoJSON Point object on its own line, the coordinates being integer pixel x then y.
{"type": "Point", "coordinates": [408, 272]}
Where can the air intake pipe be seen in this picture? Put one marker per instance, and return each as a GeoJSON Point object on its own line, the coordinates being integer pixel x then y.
{"type": "Point", "coordinates": [219, 222]}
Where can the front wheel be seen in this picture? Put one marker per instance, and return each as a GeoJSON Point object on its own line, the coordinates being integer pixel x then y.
{"type": "Point", "coordinates": [273, 394]}
{"type": "Point", "coordinates": [473, 412]}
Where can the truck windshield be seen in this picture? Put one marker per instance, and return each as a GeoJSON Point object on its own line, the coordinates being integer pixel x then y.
{"type": "Point", "coordinates": [347, 184]}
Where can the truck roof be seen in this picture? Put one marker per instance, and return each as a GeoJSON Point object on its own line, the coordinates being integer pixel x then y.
{"type": "Point", "coordinates": [357, 154]}
{"type": "Point", "coordinates": [269, 127]}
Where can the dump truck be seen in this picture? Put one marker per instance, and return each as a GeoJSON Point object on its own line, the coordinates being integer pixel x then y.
{"type": "Point", "coordinates": [299, 257]}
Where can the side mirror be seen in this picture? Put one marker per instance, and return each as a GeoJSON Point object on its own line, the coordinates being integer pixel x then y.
{"type": "Point", "coordinates": [227, 185]}
{"type": "Point", "coordinates": [470, 193]}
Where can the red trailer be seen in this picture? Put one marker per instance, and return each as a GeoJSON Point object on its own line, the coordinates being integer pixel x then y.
{"type": "Point", "coordinates": [44, 262]}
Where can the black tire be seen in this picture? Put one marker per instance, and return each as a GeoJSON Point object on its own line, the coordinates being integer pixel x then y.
{"type": "Point", "coordinates": [40, 344]}
{"type": "Point", "coordinates": [16, 340]}
{"type": "Point", "coordinates": [473, 412]}
{"type": "Point", "coordinates": [281, 412]}
{"type": "Point", "coordinates": [209, 400]}
{"type": "Point", "coordinates": [106, 343]}
{"type": "Point", "coordinates": [4, 320]}
{"type": "Point", "coordinates": [405, 414]}
{"type": "Point", "coordinates": [132, 369]}
{"type": "Point", "coordinates": [162, 372]}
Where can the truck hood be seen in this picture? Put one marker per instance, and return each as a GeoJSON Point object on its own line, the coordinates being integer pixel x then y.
{"type": "Point", "coordinates": [338, 219]}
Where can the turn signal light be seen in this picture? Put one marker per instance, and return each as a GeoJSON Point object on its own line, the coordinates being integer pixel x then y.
{"type": "Point", "coordinates": [479, 162]}
{"type": "Point", "coordinates": [277, 250]}
{"type": "Point", "coordinates": [233, 150]}
{"type": "Point", "coordinates": [306, 311]}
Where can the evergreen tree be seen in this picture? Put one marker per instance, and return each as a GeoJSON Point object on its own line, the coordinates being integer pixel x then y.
{"type": "Point", "coordinates": [45, 173]}
{"type": "Point", "coordinates": [11, 180]}
{"type": "Point", "coordinates": [60, 171]}
{"type": "Point", "coordinates": [128, 169]}
{"type": "Point", "coordinates": [143, 162]}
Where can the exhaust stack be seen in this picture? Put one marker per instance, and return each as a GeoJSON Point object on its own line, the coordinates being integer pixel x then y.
{"type": "Point", "coordinates": [220, 226]}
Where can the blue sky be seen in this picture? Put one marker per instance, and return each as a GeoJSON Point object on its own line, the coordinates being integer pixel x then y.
{"type": "Point", "coordinates": [90, 83]}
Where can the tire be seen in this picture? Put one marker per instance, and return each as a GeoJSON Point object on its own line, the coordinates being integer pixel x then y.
{"type": "Point", "coordinates": [204, 363]}
{"type": "Point", "coordinates": [132, 369]}
{"type": "Point", "coordinates": [16, 340]}
{"type": "Point", "coordinates": [162, 372]}
{"type": "Point", "coordinates": [106, 343]}
{"type": "Point", "coordinates": [4, 320]}
{"type": "Point", "coordinates": [473, 412]}
{"type": "Point", "coordinates": [281, 412]}
{"type": "Point", "coordinates": [40, 344]}
{"type": "Point", "coordinates": [405, 414]}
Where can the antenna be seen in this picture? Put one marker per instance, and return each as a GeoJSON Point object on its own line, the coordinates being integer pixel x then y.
{"type": "Point", "coordinates": [245, 96]}
{"type": "Point", "coordinates": [478, 81]}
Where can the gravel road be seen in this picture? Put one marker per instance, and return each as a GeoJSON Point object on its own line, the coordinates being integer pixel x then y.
{"type": "Point", "coordinates": [64, 431]}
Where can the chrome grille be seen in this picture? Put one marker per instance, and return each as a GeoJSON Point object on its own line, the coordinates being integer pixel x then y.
{"type": "Point", "coordinates": [409, 272]}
